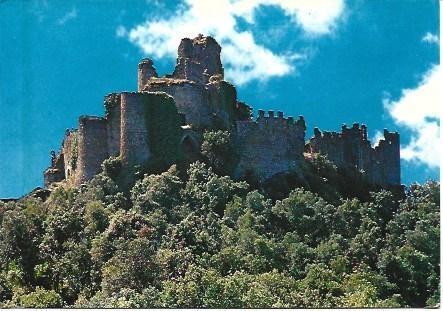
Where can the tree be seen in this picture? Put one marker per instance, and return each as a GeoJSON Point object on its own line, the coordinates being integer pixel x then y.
{"type": "Point", "coordinates": [132, 267]}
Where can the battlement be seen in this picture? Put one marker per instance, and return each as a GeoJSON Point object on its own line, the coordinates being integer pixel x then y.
{"type": "Point", "coordinates": [269, 145]}
{"type": "Point", "coordinates": [390, 137]}
{"type": "Point", "coordinates": [270, 121]}
{"type": "Point", "coordinates": [351, 148]}
{"type": "Point", "coordinates": [356, 132]}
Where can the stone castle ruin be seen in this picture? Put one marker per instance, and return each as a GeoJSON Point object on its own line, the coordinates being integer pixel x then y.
{"type": "Point", "coordinates": [168, 115]}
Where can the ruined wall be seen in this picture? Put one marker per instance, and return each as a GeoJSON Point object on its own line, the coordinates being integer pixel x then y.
{"type": "Point", "coordinates": [70, 153]}
{"type": "Point", "coordinates": [198, 59]}
{"type": "Point", "coordinates": [352, 149]}
{"type": "Point", "coordinates": [222, 103]}
{"type": "Point", "coordinates": [269, 145]}
{"type": "Point", "coordinates": [190, 98]}
{"type": "Point", "coordinates": [386, 160]}
{"type": "Point", "coordinates": [146, 71]}
{"type": "Point", "coordinates": [150, 127]}
{"type": "Point", "coordinates": [92, 147]}
{"type": "Point", "coordinates": [357, 148]}
{"type": "Point", "coordinates": [330, 144]}
{"type": "Point", "coordinates": [113, 121]}
{"type": "Point", "coordinates": [56, 172]}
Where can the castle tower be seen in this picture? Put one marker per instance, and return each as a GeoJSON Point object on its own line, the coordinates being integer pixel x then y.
{"type": "Point", "coordinates": [146, 71]}
{"type": "Point", "coordinates": [387, 153]}
{"type": "Point", "coordinates": [134, 145]}
{"type": "Point", "coordinates": [92, 147]}
{"type": "Point", "coordinates": [198, 59]}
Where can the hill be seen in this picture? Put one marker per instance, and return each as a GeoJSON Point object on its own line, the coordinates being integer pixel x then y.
{"type": "Point", "coordinates": [191, 237]}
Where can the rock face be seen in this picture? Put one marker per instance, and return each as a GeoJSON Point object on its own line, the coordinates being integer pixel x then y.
{"type": "Point", "coordinates": [168, 115]}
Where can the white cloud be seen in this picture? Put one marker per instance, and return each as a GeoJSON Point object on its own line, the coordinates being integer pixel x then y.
{"type": "Point", "coordinates": [244, 59]}
{"type": "Point", "coordinates": [430, 38]}
{"type": "Point", "coordinates": [418, 110]}
{"type": "Point", "coordinates": [67, 17]}
{"type": "Point", "coordinates": [376, 139]}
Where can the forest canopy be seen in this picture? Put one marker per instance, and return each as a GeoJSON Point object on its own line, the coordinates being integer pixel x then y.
{"type": "Point", "coordinates": [194, 238]}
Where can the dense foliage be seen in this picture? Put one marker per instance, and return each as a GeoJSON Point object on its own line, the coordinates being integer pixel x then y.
{"type": "Point", "coordinates": [198, 239]}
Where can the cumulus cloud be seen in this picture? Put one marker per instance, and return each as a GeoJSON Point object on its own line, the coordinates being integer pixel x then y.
{"type": "Point", "coordinates": [430, 38]}
{"type": "Point", "coordinates": [418, 110]}
{"type": "Point", "coordinates": [243, 57]}
{"type": "Point", "coordinates": [67, 17]}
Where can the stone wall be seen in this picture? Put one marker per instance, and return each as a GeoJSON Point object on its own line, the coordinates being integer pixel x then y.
{"type": "Point", "coordinates": [146, 71]}
{"type": "Point", "coordinates": [134, 144]}
{"type": "Point", "coordinates": [269, 145]}
{"type": "Point", "coordinates": [70, 153]}
{"type": "Point", "coordinates": [113, 118]}
{"type": "Point", "coordinates": [56, 172]}
{"type": "Point", "coordinates": [387, 160]}
{"type": "Point", "coordinates": [190, 98]}
{"type": "Point", "coordinates": [92, 147]}
{"type": "Point", "coordinates": [198, 59]}
{"type": "Point", "coordinates": [223, 103]}
{"type": "Point", "coordinates": [352, 149]}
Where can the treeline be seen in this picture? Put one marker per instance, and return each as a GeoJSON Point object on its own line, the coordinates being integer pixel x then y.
{"type": "Point", "coordinates": [195, 238]}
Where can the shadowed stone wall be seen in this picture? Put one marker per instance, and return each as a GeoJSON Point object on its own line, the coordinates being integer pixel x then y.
{"type": "Point", "coordinates": [92, 147]}
{"type": "Point", "coordinates": [387, 160]}
{"type": "Point", "coordinates": [352, 149]}
{"type": "Point", "coordinates": [113, 117]}
{"type": "Point", "coordinates": [70, 153]}
{"type": "Point", "coordinates": [198, 59]}
{"type": "Point", "coordinates": [190, 98]}
{"type": "Point", "coordinates": [134, 145]}
{"type": "Point", "coordinates": [270, 145]}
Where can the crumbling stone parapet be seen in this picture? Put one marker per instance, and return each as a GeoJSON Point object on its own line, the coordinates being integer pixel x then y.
{"type": "Point", "coordinates": [352, 149]}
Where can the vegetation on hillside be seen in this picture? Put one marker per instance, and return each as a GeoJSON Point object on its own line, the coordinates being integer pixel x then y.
{"type": "Point", "coordinates": [194, 238]}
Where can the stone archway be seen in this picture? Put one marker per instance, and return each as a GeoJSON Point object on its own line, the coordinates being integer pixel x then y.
{"type": "Point", "coordinates": [190, 148]}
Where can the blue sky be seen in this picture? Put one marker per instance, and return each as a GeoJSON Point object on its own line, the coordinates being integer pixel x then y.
{"type": "Point", "coordinates": [333, 61]}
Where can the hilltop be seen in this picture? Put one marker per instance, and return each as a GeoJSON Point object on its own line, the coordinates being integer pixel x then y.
{"type": "Point", "coordinates": [166, 120]}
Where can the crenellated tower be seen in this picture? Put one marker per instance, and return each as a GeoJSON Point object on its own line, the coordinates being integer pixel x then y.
{"type": "Point", "coordinates": [352, 149]}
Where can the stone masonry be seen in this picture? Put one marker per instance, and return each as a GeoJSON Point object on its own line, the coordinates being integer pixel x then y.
{"type": "Point", "coordinates": [352, 149]}
{"type": "Point", "coordinates": [272, 144]}
{"type": "Point", "coordinates": [266, 146]}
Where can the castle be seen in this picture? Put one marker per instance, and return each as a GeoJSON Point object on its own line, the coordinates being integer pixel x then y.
{"type": "Point", "coordinates": [168, 115]}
